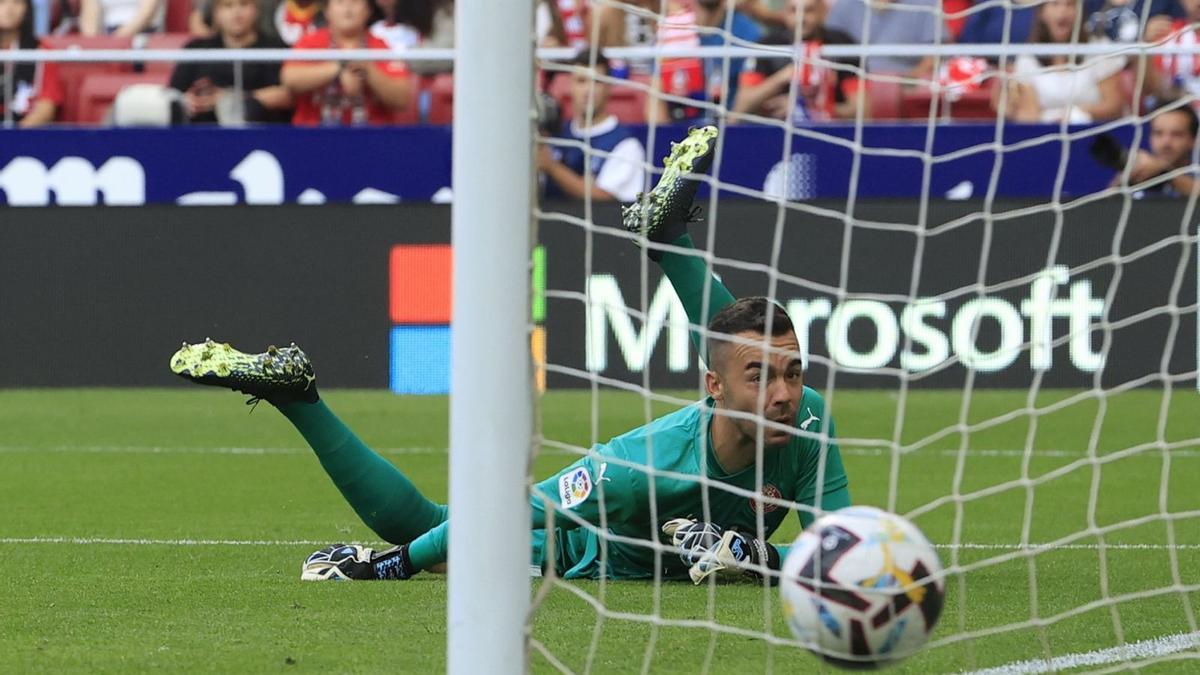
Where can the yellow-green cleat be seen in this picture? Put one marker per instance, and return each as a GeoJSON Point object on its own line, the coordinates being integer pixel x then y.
{"type": "Point", "coordinates": [278, 375]}
{"type": "Point", "coordinates": [662, 215]}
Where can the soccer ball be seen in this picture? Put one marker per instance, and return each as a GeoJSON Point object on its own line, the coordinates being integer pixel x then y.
{"type": "Point", "coordinates": [862, 587]}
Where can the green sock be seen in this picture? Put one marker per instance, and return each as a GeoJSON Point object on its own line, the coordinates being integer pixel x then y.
{"type": "Point", "coordinates": [688, 274]}
{"type": "Point", "coordinates": [430, 548]}
{"type": "Point", "coordinates": [385, 499]}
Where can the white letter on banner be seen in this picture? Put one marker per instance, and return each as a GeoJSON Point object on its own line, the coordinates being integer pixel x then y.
{"type": "Point", "coordinates": [803, 313]}
{"type": "Point", "coordinates": [1083, 308]}
{"type": "Point", "coordinates": [1041, 310]}
{"type": "Point", "coordinates": [934, 342]}
{"type": "Point", "coordinates": [606, 306]}
{"type": "Point", "coordinates": [887, 334]}
{"type": "Point", "coordinates": [1012, 334]}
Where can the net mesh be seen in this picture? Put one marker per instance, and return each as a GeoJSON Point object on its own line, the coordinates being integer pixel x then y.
{"type": "Point", "coordinates": [1013, 371]}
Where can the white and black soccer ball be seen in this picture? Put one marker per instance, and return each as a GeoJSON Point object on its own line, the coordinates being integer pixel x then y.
{"type": "Point", "coordinates": [862, 587]}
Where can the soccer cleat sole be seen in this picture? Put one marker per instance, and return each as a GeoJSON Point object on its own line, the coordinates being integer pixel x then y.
{"type": "Point", "coordinates": [686, 154]}
{"type": "Point", "coordinates": [275, 372]}
{"type": "Point", "coordinates": [671, 198]}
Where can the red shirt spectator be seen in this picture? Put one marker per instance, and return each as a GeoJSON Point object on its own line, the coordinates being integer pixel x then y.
{"type": "Point", "coordinates": [48, 97]}
{"type": "Point", "coordinates": [293, 20]}
{"type": "Point", "coordinates": [1175, 75]}
{"type": "Point", "coordinates": [333, 104]}
{"type": "Point", "coordinates": [346, 92]}
{"type": "Point", "coordinates": [22, 81]}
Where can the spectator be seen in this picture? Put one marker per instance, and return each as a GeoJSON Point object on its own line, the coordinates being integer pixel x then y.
{"type": "Point", "coordinates": [986, 25]}
{"type": "Point", "coordinates": [204, 84]}
{"type": "Point", "coordinates": [1121, 20]}
{"type": "Point", "coordinates": [890, 22]}
{"type": "Point", "coordinates": [682, 78]}
{"type": "Point", "coordinates": [620, 28]}
{"type": "Point", "coordinates": [741, 28]}
{"type": "Point", "coordinates": [1050, 89]}
{"type": "Point", "coordinates": [1112, 18]}
{"type": "Point", "coordinates": [563, 23]}
{"type": "Point", "coordinates": [123, 18]}
{"type": "Point", "coordinates": [820, 90]}
{"type": "Point", "coordinates": [765, 15]}
{"type": "Point", "coordinates": [548, 24]}
{"type": "Point", "coordinates": [413, 24]}
{"type": "Point", "coordinates": [346, 92]}
{"type": "Point", "coordinates": [1171, 76]}
{"type": "Point", "coordinates": [20, 79]}
{"type": "Point", "coordinates": [1172, 142]}
{"type": "Point", "coordinates": [283, 20]}
{"type": "Point", "coordinates": [616, 168]}
{"type": "Point", "coordinates": [294, 19]}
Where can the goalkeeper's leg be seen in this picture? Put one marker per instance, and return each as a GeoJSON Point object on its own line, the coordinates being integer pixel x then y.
{"type": "Point", "coordinates": [383, 497]}
{"type": "Point", "coordinates": [662, 217]}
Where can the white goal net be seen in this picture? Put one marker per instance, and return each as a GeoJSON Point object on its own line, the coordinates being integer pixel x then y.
{"type": "Point", "coordinates": [1000, 312]}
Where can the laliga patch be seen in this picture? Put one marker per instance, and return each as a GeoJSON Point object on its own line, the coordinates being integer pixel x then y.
{"type": "Point", "coordinates": [574, 488]}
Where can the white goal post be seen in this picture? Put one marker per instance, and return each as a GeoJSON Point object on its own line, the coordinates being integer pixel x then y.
{"type": "Point", "coordinates": [491, 391]}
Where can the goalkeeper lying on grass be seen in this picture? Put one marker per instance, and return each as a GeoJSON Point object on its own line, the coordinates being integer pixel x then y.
{"type": "Point", "coordinates": [690, 443]}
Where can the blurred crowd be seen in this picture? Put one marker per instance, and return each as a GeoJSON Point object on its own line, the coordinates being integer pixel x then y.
{"type": "Point", "coordinates": [801, 87]}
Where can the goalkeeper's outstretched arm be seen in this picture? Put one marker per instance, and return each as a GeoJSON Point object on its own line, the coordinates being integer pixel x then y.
{"type": "Point", "coordinates": [689, 274]}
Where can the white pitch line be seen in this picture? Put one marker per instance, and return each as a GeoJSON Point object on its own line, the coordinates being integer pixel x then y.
{"type": "Point", "coordinates": [1067, 547]}
{"type": "Point", "coordinates": [1135, 651]}
{"type": "Point", "coordinates": [132, 541]}
{"type": "Point", "coordinates": [420, 450]}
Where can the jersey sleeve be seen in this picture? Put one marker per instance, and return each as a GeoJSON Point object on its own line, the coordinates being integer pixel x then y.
{"type": "Point", "coordinates": [588, 488]}
{"type": "Point", "coordinates": [689, 275]}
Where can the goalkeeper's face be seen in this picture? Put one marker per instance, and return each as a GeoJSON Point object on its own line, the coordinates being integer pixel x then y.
{"type": "Point", "coordinates": [768, 383]}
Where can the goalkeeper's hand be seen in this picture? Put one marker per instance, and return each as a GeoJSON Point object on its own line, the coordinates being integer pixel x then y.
{"type": "Point", "coordinates": [693, 538]}
{"type": "Point", "coordinates": [736, 554]}
{"type": "Point", "coordinates": [358, 563]}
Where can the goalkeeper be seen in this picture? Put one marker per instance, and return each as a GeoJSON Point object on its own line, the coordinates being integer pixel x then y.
{"type": "Point", "coordinates": [713, 441]}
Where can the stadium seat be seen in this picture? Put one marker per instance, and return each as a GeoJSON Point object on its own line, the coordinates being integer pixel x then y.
{"type": "Point", "coordinates": [628, 104]}
{"type": "Point", "coordinates": [72, 75]}
{"type": "Point", "coordinates": [974, 105]}
{"type": "Point", "coordinates": [100, 90]}
{"type": "Point", "coordinates": [441, 100]}
{"type": "Point", "coordinates": [177, 16]}
{"type": "Point", "coordinates": [165, 41]}
{"type": "Point", "coordinates": [883, 100]}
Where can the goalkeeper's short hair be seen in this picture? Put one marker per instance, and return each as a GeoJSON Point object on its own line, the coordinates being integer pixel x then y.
{"type": "Point", "coordinates": [747, 315]}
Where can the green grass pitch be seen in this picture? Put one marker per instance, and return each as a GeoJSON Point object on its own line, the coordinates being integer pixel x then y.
{"type": "Point", "coordinates": [167, 487]}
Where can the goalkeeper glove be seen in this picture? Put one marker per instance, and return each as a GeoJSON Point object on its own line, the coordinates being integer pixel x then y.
{"type": "Point", "coordinates": [692, 538]}
{"type": "Point", "coordinates": [736, 555]}
{"type": "Point", "coordinates": [342, 562]}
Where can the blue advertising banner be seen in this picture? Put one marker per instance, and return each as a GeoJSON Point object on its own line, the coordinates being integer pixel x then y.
{"type": "Point", "coordinates": [284, 165]}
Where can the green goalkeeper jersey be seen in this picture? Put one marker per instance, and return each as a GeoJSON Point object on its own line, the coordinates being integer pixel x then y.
{"type": "Point", "coordinates": [613, 481]}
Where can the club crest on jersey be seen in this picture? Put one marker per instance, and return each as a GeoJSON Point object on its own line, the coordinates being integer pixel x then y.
{"type": "Point", "coordinates": [574, 488]}
{"type": "Point", "coordinates": [771, 492]}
